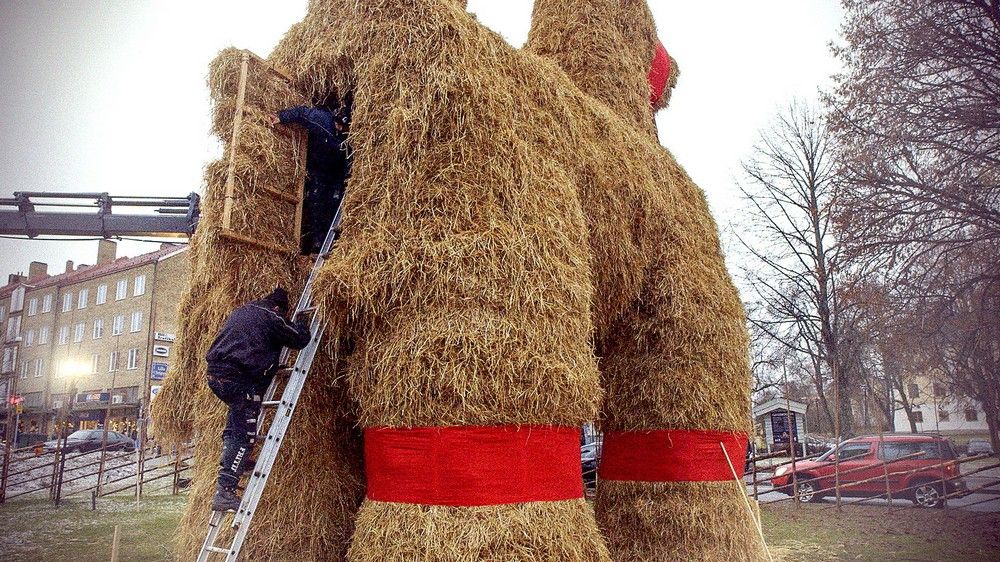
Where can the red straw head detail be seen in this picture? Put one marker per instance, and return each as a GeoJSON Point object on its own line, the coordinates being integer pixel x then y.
{"type": "Point", "coordinates": [659, 74]}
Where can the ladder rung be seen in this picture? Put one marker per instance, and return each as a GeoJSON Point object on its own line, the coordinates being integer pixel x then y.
{"type": "Point", "coordinates": [217, 549]}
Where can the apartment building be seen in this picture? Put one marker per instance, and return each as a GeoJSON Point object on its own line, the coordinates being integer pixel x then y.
{"type": "Point", "coordinates": [938, 408]}
{"type": "Point", "coordinates": [95, 338]}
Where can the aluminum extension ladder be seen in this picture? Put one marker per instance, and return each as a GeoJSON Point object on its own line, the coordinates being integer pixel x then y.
{"type": "Point", "coordinates": [282, 417]}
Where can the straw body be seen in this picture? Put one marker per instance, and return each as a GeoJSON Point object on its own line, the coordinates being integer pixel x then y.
{"type": "Point", "coordinates": [670, 328]}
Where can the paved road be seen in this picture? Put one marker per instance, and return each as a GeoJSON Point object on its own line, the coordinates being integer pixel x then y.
{"type": "Point", "coordinates": [986, 500]}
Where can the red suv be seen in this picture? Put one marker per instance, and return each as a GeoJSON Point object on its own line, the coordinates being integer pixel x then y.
{"type": "Point", "coordinates": [929, 472]}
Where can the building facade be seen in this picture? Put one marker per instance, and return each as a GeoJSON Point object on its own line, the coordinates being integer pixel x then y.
{"type": "Point", "coordinates": [939, 408]}
{"type": "Point", "coordinates": [93, 341]}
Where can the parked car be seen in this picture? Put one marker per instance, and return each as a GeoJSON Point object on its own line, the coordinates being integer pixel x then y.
{"type": "Point", "coordinates": [588, 460]}
{"type": "Point", "coordinates": [979, 447]}
{"type": "Point", "coordinates": [90, 440]}
{"type": "Point", "coordinates": [863, 458]}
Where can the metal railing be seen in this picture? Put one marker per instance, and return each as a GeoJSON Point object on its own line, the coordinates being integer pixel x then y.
{"type": "Point", "coordinates": [60, 472]}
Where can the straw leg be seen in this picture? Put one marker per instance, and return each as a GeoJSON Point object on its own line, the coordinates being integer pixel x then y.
{"type": "Point", "coordinates": [703, 521]}
{"type": "Point", "coordinates": [678, 362]}
{"type": "Point", "coordinates": [529, 532]}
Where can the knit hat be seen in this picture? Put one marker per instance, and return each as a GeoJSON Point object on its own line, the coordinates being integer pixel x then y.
{"type": "Point", "coordinates": [279, 298]}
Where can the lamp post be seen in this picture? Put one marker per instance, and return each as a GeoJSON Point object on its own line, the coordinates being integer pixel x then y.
{"type": "Point", "coordinates": [71, 371]}
{"type": "Point", "coordinates": [104, 435]}
{"type": "Point", "coordinates": [11, 440]}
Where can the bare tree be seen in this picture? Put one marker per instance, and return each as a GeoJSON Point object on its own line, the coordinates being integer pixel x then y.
{"type": "Point", "coordinates": [791, 190]}
{"type": "Point", "coordinates": [964, 332]}
{"type": "Point", "coordinates": [917, 117]}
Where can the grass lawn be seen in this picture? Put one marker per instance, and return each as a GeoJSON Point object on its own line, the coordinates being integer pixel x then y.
{"type": "Point", "coordinates": [37, 531]}
{"type": "Point", "coordinates": [816, 532]}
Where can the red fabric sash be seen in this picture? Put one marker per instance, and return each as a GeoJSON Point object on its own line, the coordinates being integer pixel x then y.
{"type": "Point", "coordinates": [659, 74]}
{"type": "Point", "coordinates": [671, 455]}
{"type": "Point", "coordinates": [471, 466]}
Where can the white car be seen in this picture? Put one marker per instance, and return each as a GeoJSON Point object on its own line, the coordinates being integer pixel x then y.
{"type": "Point", "coordinates": [979, 447]}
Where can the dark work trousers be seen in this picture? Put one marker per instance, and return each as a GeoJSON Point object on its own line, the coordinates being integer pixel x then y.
{"type": "Point", "coordinates": [240, 434]}
{"type": "Point", "coordinates": [322, 198]}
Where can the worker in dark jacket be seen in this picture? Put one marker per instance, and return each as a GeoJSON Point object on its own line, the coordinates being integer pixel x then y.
{"type": "Point", "coordinates": [241, 363]}
{"type": "Point", "coordinates": [327, 168]}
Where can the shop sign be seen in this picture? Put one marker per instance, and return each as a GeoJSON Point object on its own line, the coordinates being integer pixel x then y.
{"type": "Point", "coordinates": [158, 371]}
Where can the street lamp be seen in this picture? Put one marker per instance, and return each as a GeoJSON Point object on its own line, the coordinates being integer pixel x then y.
{"type": "Point", "coordinates": [71, 370]}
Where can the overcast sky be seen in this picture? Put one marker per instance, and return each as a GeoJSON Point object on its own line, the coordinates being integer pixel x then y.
{"type": "Point", "coordinates": [110, 96]}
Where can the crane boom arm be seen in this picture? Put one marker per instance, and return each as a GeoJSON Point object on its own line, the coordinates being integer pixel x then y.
{"type": "Point", "coordinates": [28, 214]}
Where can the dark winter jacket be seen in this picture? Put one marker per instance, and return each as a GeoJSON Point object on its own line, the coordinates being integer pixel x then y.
{"type": "Point", "coordinates": [326, 160]}
{"type": "Point", "coordinates": [249, 345]}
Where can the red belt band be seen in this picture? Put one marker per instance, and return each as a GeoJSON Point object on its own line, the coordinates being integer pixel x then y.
{"type": "Point", "coordinates": [473, 466]}
{"type": "Point", "coordinates": [671, 455]}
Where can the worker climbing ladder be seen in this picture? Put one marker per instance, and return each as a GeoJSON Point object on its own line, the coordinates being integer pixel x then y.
{"type": "Point", "coordinates": [285, 407]}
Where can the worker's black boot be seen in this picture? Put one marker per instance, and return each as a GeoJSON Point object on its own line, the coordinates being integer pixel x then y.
{"type": "Point", "coordinates": [225, 499]}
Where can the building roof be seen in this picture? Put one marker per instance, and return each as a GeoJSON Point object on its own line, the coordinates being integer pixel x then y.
{"type": "Point", "coordinates": [7, 289]}
{"type": "Point", "coordinates": [99, 270]}
{"type": "Point", "coordinates": [779, 405]}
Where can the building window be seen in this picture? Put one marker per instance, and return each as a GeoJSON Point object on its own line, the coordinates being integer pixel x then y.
{"type": "Point", "coordinates": [13, 328]}
{"type": "Point", "coordinates": [121, 290]}
{"type": "Point", "coordinates": [3, 313]}
{"type": "Point", "coordinates": [67, 302]}
{"type": "Point", "coordinates": [95, 363]}
{"type": "Point", "coordinates": [113, 362]}
{"type": "Point", "coordinates": [24, 368]}
{"type": "Point", "coordinates": [139, 287]}
{"type": "Point", "coordinates": [17, 300]}
{"type": "Point", "coordinates": [118, 325]}
{"type": "Point", "coordinates": [971, 415]}
{"type": "Point", "coordinates": [918, 416]}
{"type": "Point", "coordinates": [63, 335]}
{"type": "Point", "coordinates": [47, 303]}
{"type": "Point", "coordinates": [133, 359]}
{"type": "Point", "coordinates": [914, 391]}
{"type": "Point", "coordinates": [29, 338]}
{"type": "Point", "coordinates": [939, 390]}
{"type": "Point", "coordinates": [78, 331]}
{"type": "Point", "coordinates": [136, 321]}
{"type": "Point", "coordinates": [43, 335]}
{"type": "Point", "coordinates": [102, 294]}
{"type": "Point", "coordinates": [98, 328]}
{"type": "Point", "coordinates": [39, 367]}
{"type": "Point", "coordinates": [82, 298]}
{"type": "Point", "coordinates": [33, 307]}
{"type": "Point", "coordinates": [9, 360]}
{"type": "Point", "coordinates": [944, 415]}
